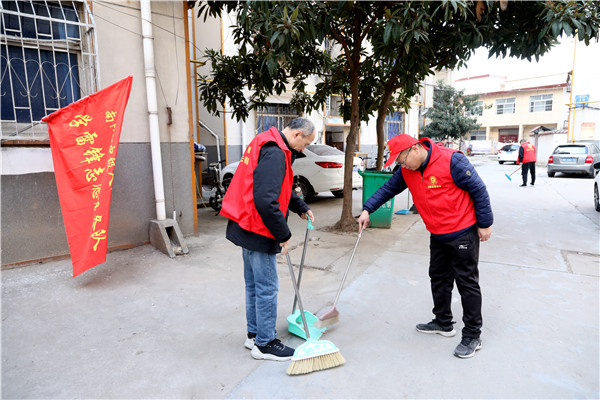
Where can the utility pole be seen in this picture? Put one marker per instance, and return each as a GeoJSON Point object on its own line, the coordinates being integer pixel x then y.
{"type": "Point", "coordinates": [571, 94]}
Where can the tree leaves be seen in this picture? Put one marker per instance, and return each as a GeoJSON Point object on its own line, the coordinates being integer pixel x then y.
{"type": "Point", "coordinates": [452, 113]}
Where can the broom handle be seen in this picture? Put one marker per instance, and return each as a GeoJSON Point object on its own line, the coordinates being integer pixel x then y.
{"type": "Point", "coordinates": [516, 170]}
{"type": "Point", "coordinates": [308, 227]}
{"type": "Point", "coordinates": [287, 255]}
{"type": "Point", "coordinates": [337, 296]}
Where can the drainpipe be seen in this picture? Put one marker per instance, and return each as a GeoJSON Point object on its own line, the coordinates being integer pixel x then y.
{"type": "Point", "coordinates": [243, 136]}
{"type": "Point", "coordinates": [202, 124]}
{"type": "Point", "coordinates": [164, 233]}
{"type": "Point", "coordinates": [150, 73]}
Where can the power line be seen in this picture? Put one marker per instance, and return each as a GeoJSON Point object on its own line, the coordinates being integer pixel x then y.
{"type": "Point", "coordinates": [104, 4]}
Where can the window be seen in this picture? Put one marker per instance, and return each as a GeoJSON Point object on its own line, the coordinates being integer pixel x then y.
{"type": "Point", "coordinates": [274, 114]}
{"type": "Point", "coordinates": [394, 124]}
{"type": "Point", "coordinates": [478, 109]}
{"type": "Point", "coordinates": [477, 135]}
{"type": "Point", "coordinates": [46, 63]}
{"type": "Point", "coordinates": [540, 102]}
{"type": "Point", "coordinates": [505, 106]}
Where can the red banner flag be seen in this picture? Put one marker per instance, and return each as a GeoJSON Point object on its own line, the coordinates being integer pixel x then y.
{"type": "Point", "coordinates": [84, 139]}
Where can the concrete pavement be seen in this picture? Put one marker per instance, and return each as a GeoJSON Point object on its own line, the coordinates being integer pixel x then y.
{"type": "Point", "coordinates": [145, 326]}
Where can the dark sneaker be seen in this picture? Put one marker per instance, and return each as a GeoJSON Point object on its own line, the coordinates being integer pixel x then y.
{"type": "Point", "coordinates": [467, 347]}
{"type": "Point", "coordinates": [249, 343]}
{"type": "Point", "coordinates": [523, 184]}
{"type": "Point", "coordinates": [274, 350]}
{"type": "Point", "coordinates": [435, 327]}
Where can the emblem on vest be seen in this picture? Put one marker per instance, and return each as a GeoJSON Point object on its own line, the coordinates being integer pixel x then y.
{"type": "Point", "coordinates": [433, 180]}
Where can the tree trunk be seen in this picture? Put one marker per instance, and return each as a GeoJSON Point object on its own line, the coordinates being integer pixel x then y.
{"type": "Point", "coordinates": [381, 113]}
{"type": "Point", "coordinates": [347, 223]}
{"type": "Point", "coordinates": [380, 135]}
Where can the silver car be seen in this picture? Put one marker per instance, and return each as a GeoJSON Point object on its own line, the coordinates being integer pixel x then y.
{"type": "Point", "coordinates": [574, 158]}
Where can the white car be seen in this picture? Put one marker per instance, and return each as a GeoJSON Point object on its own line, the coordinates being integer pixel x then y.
{"type": "Point", "coordinates": [320, 168]}
{"type": "Point", "coordinates": [597, 186]}
{"type": "Point", "coordinates": [509, 153]}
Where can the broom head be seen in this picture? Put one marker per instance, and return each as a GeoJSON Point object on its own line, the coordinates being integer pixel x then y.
{"type": "Point", "coordinates": [315, 355]}
{"type": "Point", "coordinates": [508, 176]}
{"type": "Point", "coordinates": [328, 318]}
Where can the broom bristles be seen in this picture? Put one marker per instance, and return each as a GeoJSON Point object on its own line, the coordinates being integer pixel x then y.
{"type": "Point", "coordinates": [308, 365]}
{"type": "Point", "coordinates": [324, 323]}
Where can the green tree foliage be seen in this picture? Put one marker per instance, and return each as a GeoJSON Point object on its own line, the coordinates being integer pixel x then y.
{"type": "Point", "coordinates": [387, 48]}
{"type": "Point", "coordinates": [452, 114]}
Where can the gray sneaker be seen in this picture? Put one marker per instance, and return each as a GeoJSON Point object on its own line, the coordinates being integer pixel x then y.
{"type": "Point", "coordinates": [435, 327]}
{"type": "Point", "coordinates": [467, 347]}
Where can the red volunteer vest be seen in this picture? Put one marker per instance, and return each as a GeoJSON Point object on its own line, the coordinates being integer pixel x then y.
{"type": "Point", "coordinates": [528, 152]}
{"type": "Point", "coordinates": [444, 207]}
{"type": "Point", "coordinates": [238, 203]}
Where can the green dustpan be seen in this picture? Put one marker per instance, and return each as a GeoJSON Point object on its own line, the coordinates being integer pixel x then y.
{"type": "Point", "coordinates": [296, 327]}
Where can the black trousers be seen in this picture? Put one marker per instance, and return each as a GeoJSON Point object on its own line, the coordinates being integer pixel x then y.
{"type": "Point", "coordinates": [528, 166]}
{"type": "Point", "coordinates": [457, 260]}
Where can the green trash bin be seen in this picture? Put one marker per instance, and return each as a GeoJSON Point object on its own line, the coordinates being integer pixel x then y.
{"type": "Point", "coordinates": [373, 180]}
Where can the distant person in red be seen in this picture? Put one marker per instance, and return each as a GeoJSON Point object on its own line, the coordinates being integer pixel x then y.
{"type": "Point", "coordinates": [528, 158]}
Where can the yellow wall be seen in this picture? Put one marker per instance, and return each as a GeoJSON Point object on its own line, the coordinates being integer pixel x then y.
{"type": "Point", "coordinates": [522, 119]}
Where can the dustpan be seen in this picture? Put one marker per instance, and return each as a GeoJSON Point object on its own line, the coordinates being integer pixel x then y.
{"type": "Point", "coordinates": [406, 210]}
{"type": "Point", "coordinates": [295, 325]}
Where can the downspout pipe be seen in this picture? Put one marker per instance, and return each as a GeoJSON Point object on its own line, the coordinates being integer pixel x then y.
{"type": "Point", "coordinates": [202, 124]}
{"type": "Point", "coordinates": [150, 74]}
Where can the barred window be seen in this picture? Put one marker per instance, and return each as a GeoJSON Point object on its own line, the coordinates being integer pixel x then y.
{"type": "Point", "coordinates": [477, 135]}
{"type": "Point", "coordinates": [46, 63]}
{"type": "Point", "coordinates": [274, 114]}
{"type": "Point", "coordinates": [505, 106]}
{"type": "Point", "coordinates": [394, 124]}
{"type": "Point", "coordinates": [540, 102]}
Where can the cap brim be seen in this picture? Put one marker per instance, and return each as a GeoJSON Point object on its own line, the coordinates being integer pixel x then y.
{"type": "Point", "coordinates": [392, 159]}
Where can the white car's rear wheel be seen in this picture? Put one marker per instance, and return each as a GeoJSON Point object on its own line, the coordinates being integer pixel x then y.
{"type": "Point", "coordinates": [307, 190]}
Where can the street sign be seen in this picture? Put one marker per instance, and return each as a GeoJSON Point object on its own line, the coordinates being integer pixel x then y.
{"type": "Point", "coordinates": [582, 98]}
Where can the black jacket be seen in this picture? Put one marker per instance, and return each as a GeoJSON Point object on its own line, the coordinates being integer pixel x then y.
{"type": "Point", "coordinates": [268, 178]}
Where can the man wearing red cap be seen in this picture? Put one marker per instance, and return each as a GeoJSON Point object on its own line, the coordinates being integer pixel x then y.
{"type": "Point", "coordinates": [455, 206]}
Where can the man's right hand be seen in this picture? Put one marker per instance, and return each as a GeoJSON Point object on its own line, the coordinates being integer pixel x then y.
{"type": "Point", "coordinates": [363, 220]}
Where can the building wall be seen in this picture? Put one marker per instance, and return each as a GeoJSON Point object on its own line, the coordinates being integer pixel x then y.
{"type": "Point", "coordinates": [31, 220]}
{"type": "Point", "coordinates": [522, 115]}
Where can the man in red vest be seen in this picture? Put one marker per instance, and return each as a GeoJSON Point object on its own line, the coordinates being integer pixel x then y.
{"type": "Point", "coordinates": [528, 158]}
{"type": "Point", "coordinates": [455, 207]}
{"type": "Point", "coordinates": [257, 203]}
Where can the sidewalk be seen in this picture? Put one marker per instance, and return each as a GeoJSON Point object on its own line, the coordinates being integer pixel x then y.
{"type": "Point", "coordinates": [143, 325]}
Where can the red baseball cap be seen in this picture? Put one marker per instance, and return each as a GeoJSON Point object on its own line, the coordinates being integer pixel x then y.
{"type": "Point", "coordinates": [397, 144]}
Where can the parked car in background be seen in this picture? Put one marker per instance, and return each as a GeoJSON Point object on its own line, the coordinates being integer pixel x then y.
{"type": "Point", "coordinates": [574, 158]}
{"type": "Point", "coordinates": [320, 168]}
{"type": "Point", "coordinates": [508, 153]}
{"type": "Point", "coordinates": [596, 187]}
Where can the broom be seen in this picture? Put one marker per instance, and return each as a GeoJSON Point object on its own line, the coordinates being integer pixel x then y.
{"type": "Point", "coordinates": [331, 317]}
{"type": "Point", "coordinates": [313, 355]}
{"type": "Point", "coordinates": [293, 319]}
{"type": "Point", "coordinates": [509, 176]}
